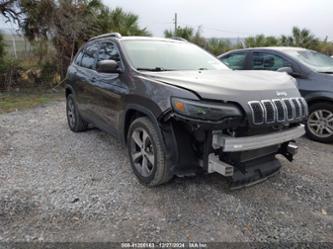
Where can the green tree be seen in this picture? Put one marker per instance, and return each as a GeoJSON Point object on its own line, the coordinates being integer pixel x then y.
{"type": "Point", "coordinates": [304, 38]}
{"type": "Point", "coordinates": [261, 41]}
{"type": "Point", "coordinates": [2, 55]}
{"type": "Point", "coordinates": [218, 46]}
{"type": "Point", "coordinates": [2, 48]}
{"type": "Point", "coordinates": [186, 33]}
{"type": "Point", "coordinates": [300, 38]}
{"type": "Point", "coordinates": [117, 20]}
{"type": "Point", "coordinates": [286, 41]}
{"type": "Point", "coordinates": [213, 45]}
{"type": "Point", "coordinates": [199, 39]}
{"type": "Point", "coordinates": [326, 47]}
{"type": "Point", "coordinates": [73, 23]}
{"type": "Point", "coordinates": [36, 24]}
{"type": "Point", "coordinates": [70, 23]}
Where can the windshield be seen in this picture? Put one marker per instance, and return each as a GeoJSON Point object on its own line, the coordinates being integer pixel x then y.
{"type": "Point", "coordinates": [168, 55]}
{"type": "Point", "coordinates": [316, 61]}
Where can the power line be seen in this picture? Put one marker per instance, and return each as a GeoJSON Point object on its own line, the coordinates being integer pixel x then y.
{"type": "Point", "coordinates": [219, 30]}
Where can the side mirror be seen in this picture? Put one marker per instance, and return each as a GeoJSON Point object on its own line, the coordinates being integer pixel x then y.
{"type": "Point", "coordinates": [107, 66]}
{"type": "Point", "coordinates": [287, 70]}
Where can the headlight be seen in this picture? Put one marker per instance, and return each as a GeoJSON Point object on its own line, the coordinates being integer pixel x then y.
{"type": "Point", "coordinates": [204, 110]}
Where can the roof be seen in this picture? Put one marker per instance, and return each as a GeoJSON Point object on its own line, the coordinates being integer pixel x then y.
{"type": "Point", "coordinates": [285, 48]}
{"type": "Point", "coordinates": [266, 48]}
{"type": "Point", "coordinates": [119, 37]}
{"type": "Point", "coordinates": [148, 38]}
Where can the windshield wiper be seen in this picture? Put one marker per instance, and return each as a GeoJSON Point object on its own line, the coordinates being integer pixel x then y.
{"type": "Point", "coordinates": [327, 72]}
{"type": "Point", "coordinates": [153, 69]}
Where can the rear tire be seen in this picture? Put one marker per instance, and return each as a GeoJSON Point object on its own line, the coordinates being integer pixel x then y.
{"type": "Point", "coordinates": [147, 153]}
{"type": "Point", "coordinates": [319, 126]}
{"type": "Point", "coordinates": [74, 119]}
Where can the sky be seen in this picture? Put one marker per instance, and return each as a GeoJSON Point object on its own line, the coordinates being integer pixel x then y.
{"type": "Point", "coordinates": [231, 18]}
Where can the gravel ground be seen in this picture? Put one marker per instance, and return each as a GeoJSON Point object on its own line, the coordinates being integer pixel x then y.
{"type": "Point", "coordinates": [56, 185]}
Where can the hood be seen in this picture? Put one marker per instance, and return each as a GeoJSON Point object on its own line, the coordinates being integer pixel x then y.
{"type": "Point", "coordinates": [228, 85]}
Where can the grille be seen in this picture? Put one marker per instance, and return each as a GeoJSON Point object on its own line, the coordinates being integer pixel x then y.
{"type": "Point", "coordinates": [278, 110]}
{"type": "Point", "coordinates": [269, 111]}
{"type": "Point", "coordinates": [281, 111]}
{"type": "Point", "coordinates": [289, 105]}
{"type": "Point", "coordinates": [257, 112]}
{"type": "Point", "coordinates": [297, 108]}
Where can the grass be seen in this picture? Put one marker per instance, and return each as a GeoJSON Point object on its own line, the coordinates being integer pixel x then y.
{"type": "Point", "coordinates": [15, 101]}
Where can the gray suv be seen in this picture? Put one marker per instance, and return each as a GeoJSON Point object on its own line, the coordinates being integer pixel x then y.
{"type": "Point", "coordinates": [180, 111]}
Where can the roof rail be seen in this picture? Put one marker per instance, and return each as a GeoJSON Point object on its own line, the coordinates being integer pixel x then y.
{"type": "Point", "coordinates": [113, 34]}
{"type": "Point", "coordinates": [179, 38]}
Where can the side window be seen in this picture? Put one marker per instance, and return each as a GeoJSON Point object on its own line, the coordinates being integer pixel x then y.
{"type": "Point", "coordinates": [267, 61]}
{"type": "Point", "coordinates": [235, 61]}
{"type": "Point", "coordinates": [89, 56]}
{"type": "Point", "coordinates": [79, 58]}
{"type": "Point", "coordinates": [108, 51]}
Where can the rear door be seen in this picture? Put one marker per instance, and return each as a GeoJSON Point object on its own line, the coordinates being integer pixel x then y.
{"type": "Point", "coordinates": [86, 77]}
{"type": "Point", "coordinates": [263, 60]}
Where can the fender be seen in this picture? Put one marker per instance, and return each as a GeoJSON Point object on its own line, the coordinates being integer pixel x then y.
{"type": "Point", "coordinates": [319, 96]}
{"type": "Point", "coordinates": [70, 88]}
{"type": "Point", "coordinates": [165, 131]}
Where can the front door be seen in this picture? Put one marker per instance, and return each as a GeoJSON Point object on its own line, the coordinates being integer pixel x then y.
{"type": "Point", "coordinates": [109, 89]}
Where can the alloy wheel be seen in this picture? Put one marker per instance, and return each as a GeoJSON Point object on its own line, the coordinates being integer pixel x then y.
{"type": "Point", "coordinates": [142, 152]}
{"type": "Point", "coordinates": [71, 112]}
{"type": "Point", "coordinates": [320, 123]}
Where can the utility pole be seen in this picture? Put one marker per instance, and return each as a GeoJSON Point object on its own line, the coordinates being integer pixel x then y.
{"type": "Point", "coordinates": [175, 21]}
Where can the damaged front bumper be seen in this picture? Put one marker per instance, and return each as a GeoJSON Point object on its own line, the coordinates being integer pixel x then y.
{"type": "Point", "coordinates": [233, 144]}
{"type": "Point", "coordinates": [231, 148]}
{"type": "Point", "coordinates": [250, 172]}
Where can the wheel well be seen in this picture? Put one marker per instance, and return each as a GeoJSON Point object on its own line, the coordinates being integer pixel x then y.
{"type": "Point", "coordinates": [131, 115]}
{"type": "Point", "coordinates": [68, 91]}
{"type": "Point", "coordinates": [317, 101]}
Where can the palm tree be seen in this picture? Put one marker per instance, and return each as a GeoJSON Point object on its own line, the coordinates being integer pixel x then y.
{"type": "Point", "coordinates": [261, 41]}
{"type": "Point", "coordinates": [117, 20]}
{"type": "Point", "coordinates": [218, 46]}
{"type": "Point", "coordinates": [300, 38]}
{"type": "Point", "coordinates": [183, 32]}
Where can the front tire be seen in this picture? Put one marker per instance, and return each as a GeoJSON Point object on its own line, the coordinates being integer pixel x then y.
{"type": "Point", "coordinates": [74, 119]}
{"type": "Point", "coordinates": [319, 126]}
{"type": "Point", "coordinates": [147, 153]}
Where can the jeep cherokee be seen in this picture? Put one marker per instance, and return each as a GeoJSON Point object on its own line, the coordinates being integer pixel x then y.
{"type": "Point", "coordinates": [181, 111]}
